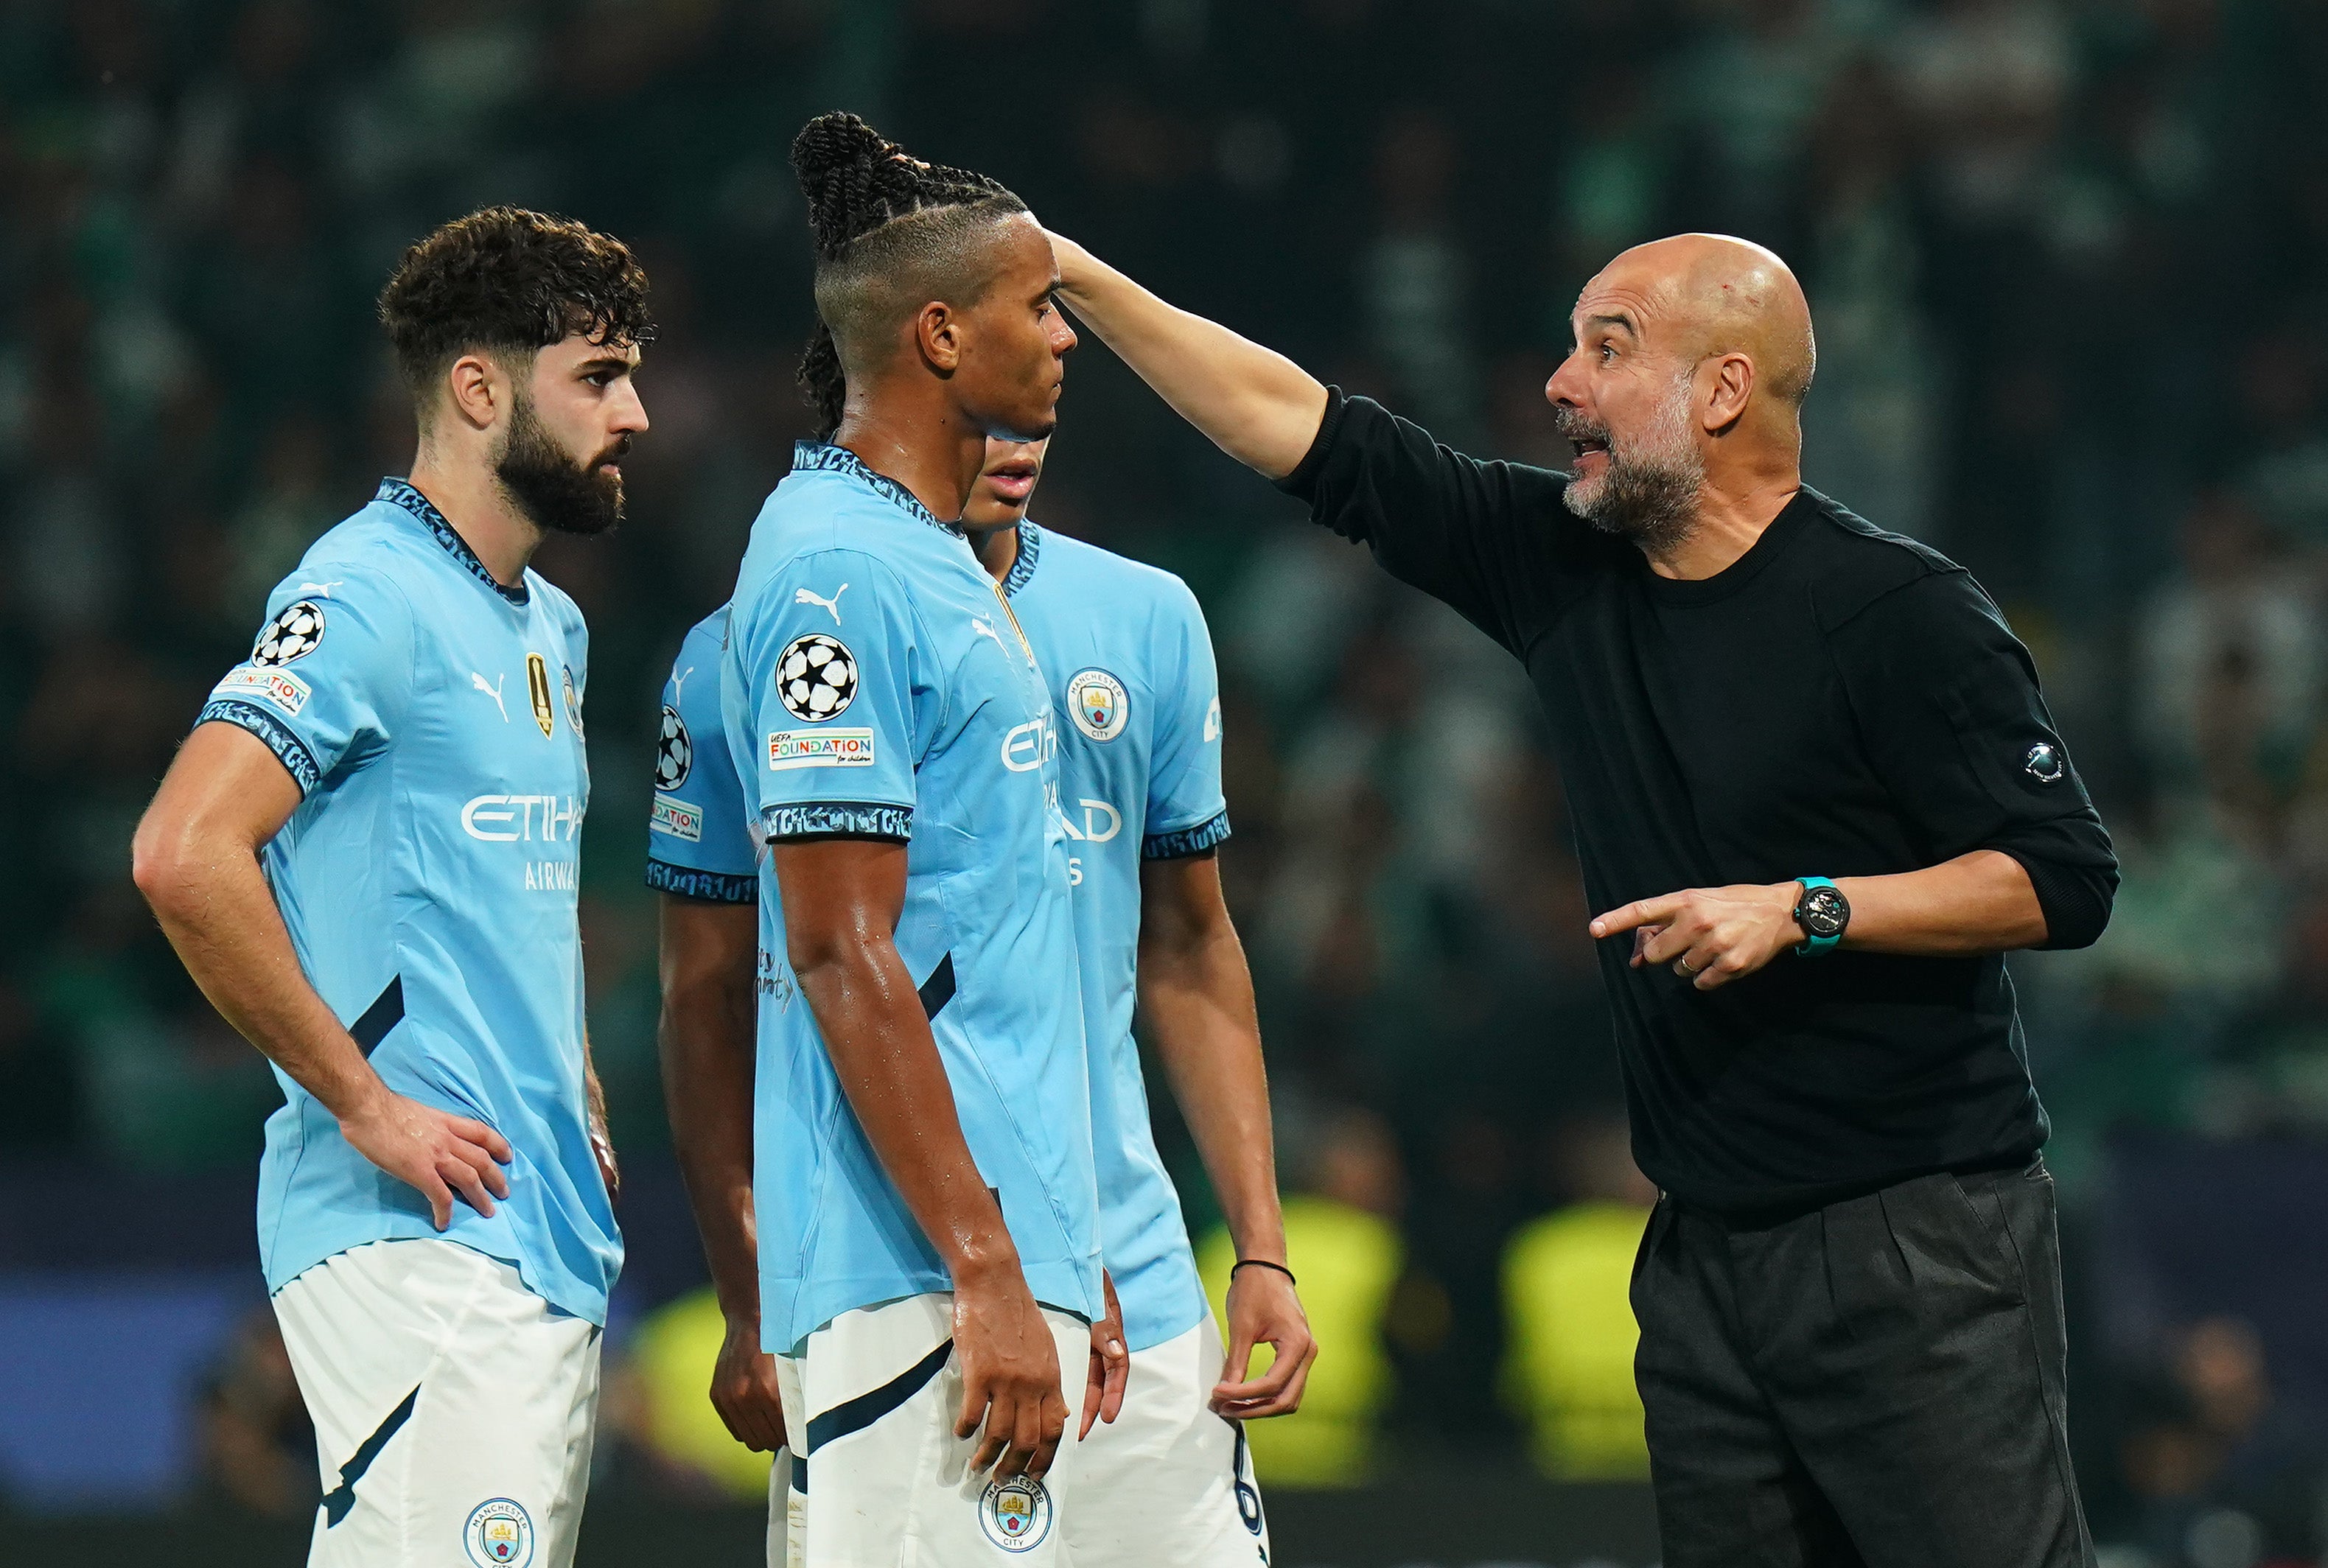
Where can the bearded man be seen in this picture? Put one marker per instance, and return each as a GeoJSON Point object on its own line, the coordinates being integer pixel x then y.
{"type": "Point", "coordinates": [1818, 795]}
{"type": "Point", "coordinates": [367, 855]}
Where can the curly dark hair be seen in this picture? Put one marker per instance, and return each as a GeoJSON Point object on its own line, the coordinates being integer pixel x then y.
{"type": "Point", "coordinates": [508, 280]}
{"type": "Point", "coordinates": [891, 232]}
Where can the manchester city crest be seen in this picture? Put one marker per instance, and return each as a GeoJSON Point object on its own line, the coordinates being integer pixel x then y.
{"type": "Point", "coordinates": [1097, 703]}
{"type": "Point", "coordinates": [573, 700]}
{"type": "Point", "coordinates": [1015, 1514]}
{"type": "Point", "coordinates": [499, 1534]}
{"type": "Point", "coordinates": [292, 634]}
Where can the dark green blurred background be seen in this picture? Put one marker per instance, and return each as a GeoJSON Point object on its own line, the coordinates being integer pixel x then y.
{"type": "Point", "coordinates": [2065, 258]}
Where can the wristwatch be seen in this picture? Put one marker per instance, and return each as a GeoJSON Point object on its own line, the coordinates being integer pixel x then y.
{"type": "Point", "coordinates": [1823, 913]}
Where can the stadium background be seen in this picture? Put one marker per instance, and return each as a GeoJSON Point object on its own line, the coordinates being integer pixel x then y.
{"type": "Point", "coordinates": [2065, 261]}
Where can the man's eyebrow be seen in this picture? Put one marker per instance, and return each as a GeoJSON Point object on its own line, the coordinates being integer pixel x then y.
{"type": "Point", "coordinates": [606, 363]}
{"type": "Point", "coordinates": [1616, 319]}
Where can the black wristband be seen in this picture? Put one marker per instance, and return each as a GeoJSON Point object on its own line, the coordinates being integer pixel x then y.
{"type": "Point", "coordinates": [1262, 1264]}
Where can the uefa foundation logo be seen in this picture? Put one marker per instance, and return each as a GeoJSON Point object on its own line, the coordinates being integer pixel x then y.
{"type": "Point", "coordinates": [499, 1534]}
{"type": "Point", "coordinates": [1015, 1514]}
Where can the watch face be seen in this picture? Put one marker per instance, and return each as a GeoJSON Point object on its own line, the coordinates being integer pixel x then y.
{"type": "Point", "coordinates": [1824, 913]}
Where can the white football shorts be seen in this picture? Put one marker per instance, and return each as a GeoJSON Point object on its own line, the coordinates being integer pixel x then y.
{"type": "Point", "coordinates": [454, 1409]}
{"type": "Point", "coordinates": [1167, 1484]}
{"type": "Point", "coordinates": [879, 1478]}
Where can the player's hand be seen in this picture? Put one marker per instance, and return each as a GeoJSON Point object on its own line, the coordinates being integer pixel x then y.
{"type": "Point", "coordinates": [1264, 1309]}
{"type": "Point", "coordinates": [437, 1151]}
{"type": "Point", "coordinates": [1111, 1363]}
{"type": "Point", "coordinates": [1709, 937]}
{"type": "Point", "coordinates": [1009, 1375]}
{"type": "Point", "coordinates": [602, 1146]}
{"type": "Point", "coordinates": [744, 1389]}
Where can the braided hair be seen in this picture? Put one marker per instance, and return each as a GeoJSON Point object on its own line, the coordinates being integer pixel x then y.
{"type": "Point", "coordinates": [891, 233]}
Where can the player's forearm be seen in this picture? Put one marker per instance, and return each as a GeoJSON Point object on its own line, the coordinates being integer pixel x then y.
{"type": "Point", "coordinates": [213, 904]}
{"type": "Point", "coordinates": [705, 1041]}
{"type": "Point", "coordinates": [1255, 404]}
{"type": "Point", "coordinates": [1196, 992]}
{"type": "Point", "coordinates": [1976, 904]}
{"type": "Point", "coordinates": [879, 1040]}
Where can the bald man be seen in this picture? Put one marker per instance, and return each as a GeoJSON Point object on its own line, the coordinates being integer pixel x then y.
{"type": "Point", "coordinates": [1818, 797]}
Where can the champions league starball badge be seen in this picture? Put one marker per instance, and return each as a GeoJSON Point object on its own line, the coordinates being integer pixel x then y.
{"type": "Point", "coordinates": [816, 677]}
{"type": "Point", "coordinates": [498, 1533]}
{"type": "Point", "coordinates": [293, 634]}
{"type": "Point", "coordinates": [674, 751]}
{"type": "Point", "coordinates": [1015, 1514]}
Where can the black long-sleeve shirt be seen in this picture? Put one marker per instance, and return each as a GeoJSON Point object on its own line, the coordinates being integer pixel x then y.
{"type": "Point", "coordinates": [1839, 701]}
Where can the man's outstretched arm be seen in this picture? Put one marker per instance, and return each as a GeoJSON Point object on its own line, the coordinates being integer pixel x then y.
{"type": "Point", "coordinates": [842, 899]}
{"type": "Point", "coordinates": [706, 1039]}
{"type": "Point", "coordinates": [195, 859]}
{"type": "Point", "coordinates": [1257, 406]}
{"type": "Point", "coordinates": [1196, 993]}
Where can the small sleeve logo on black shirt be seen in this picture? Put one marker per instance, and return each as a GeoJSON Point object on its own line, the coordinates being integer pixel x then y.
{"type": "Point", "coordinates": [2043, 764]}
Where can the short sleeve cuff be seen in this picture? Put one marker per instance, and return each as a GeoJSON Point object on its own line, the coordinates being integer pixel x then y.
{"type": "Point", "coordinates": [710, 887]}
{"type": "Point", "coordinates": [839, 820]}
{"type": "Point", "coordinates": [1303, 481]}
{"type": "Point", "coordinates": [1187, 842]}
{"type": "Point", "coordinates": [280, 737]}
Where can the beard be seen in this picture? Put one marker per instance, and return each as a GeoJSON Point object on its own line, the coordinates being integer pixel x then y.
{"type": "Point", "coordinates": [553, 491]}
{"type": "Point", "coordinates": [1649, 490]}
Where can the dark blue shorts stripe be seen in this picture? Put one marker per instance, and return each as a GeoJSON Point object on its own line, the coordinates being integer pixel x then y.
{"type": "Point", "coordinates": [858, 1413]}
{"type": "Point", "coordinates": [342, 1498]}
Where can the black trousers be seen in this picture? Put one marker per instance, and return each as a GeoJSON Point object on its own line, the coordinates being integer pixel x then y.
{"type": "Point", "coordinates": [1876, 1385]}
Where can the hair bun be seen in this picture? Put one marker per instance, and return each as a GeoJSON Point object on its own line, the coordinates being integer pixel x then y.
{"type": "Point", "coordinates": [832, 143]}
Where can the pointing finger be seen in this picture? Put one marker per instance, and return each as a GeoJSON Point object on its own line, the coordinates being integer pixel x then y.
{"type": "Point", "coordinates": [1642, 912]}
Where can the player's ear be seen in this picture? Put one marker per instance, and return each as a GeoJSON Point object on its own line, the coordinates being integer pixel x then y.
{"type": "Point", "coordinates": [938, 334]}
{"type": "Point", "coordinates": [476, 389]}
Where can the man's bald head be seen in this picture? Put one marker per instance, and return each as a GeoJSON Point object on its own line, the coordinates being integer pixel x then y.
{"type": "Point", "coordinates": [1722, 296]}
{"type": "Point", "coordinates": [1692, 357]}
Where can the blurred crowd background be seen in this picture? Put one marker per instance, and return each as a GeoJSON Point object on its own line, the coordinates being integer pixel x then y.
{"type": "Point", "coordinates": [2065, 258]}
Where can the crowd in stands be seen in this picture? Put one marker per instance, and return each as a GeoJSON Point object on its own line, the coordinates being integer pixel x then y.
{"type": "Point", "coordinates": [2065, 261]}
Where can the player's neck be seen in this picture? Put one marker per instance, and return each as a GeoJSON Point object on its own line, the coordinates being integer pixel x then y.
{"type": "Point", "coordinates": [482, 513]}
{"type": "Point", "coordinates": [921, 443]}
{"type": "Point", "coordinates": [997, 549]}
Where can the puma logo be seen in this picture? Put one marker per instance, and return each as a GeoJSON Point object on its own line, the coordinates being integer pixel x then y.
{"type": "Point", "coordinates": [493, 692]}
{"type": "Point", "coordinates": [805, 596]}
{"type": "Point", "coordinates": [678, 681]}
{"type": "Point", "coordinates": [322, 589]}
{"type": "Point", "coordinates": [986, 629]}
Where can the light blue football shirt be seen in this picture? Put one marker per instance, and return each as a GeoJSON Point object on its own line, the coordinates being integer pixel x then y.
{"type": "Point", "coordinates": [700, 842]}
{"type": "Point", "coordinates": [1140, 751]}
{"type": "Point", "coordinates": [1140, 779]}
{"type": "Point", "coordinates": [880, 687]}
{"type": "Point", "coordinates": [433, 721]}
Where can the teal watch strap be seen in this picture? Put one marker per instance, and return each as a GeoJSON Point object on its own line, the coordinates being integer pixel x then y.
{"type": "Point", "coordinates": [1815, 945]}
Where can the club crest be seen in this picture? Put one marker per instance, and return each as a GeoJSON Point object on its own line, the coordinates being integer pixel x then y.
{"type": "Point", "coordinates": [498, 1533]}
{"type": "Point", "coordinates": [1098, 704]}
{"type": "Point", "coordinates": [1015, 1514]}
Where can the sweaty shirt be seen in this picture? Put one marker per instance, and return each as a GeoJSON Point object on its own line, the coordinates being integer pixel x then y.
{"type": "Point", "coordinates": [881, 687]}
{"type": "Point", "coordinates": [1839, 701]}
{"type": "Point", "coordinates": [433, 721]}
